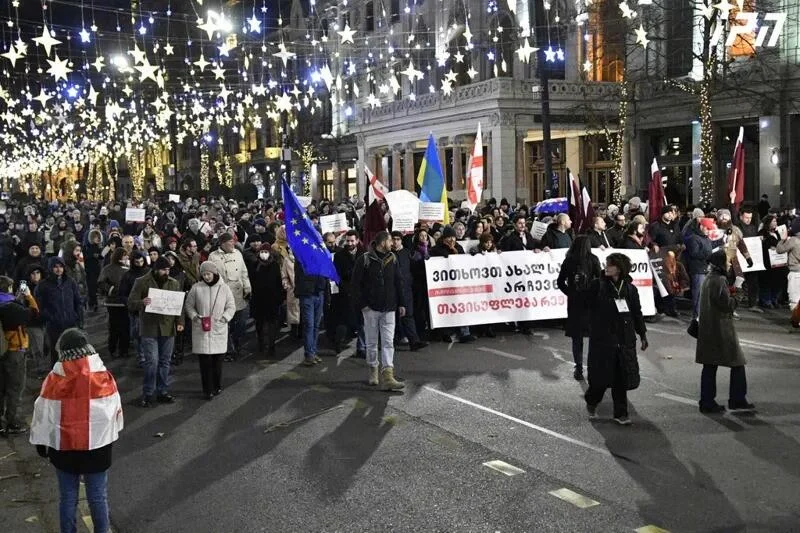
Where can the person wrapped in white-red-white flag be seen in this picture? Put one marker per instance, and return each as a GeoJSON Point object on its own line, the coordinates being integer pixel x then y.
{"type": "Point", "coordinates": [475, 172]}
{"type": "Point", "coordinates": [377, 190]}
{"type": "Point", "coordinates": [79, 406]}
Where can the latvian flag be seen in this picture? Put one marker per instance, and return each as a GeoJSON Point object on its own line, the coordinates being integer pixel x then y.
{"type": "Point", "coordinates": [78, 408]}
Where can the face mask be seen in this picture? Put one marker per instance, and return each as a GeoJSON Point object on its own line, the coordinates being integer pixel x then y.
{"type": "Point", "coordinates": [263, 256]}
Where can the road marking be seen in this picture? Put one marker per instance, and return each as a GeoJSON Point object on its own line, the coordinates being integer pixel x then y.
{"type": "Point", "coordinates": [675, 398]}
{"type": "Point", "coordinates": [746, 342]}
{"type": "Point", "coordinates": [525, 423]}
{"type": "Point", "coordinates": [662, 330]}
{"type": "Point", "coordinates": [578, 500]}
{"type": "Point", "coordinates": [650, 529]}
{"type": "Point", "coordinates": [503, 467]}
{"type": "Point", "coordinates": [501, 353]}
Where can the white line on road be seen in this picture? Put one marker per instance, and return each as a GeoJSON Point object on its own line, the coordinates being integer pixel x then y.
{"type": "Point", "coordinates": [676, 398]}
{"type": "Point", "coordinates": [745, 342]}
{"type": "Point", "coordinates": [578, 500]}
{"type": "Point", "coordinates": [525, 423]}
{"type": "Point", "coordinates": [501, 353]}
{"type": "Point", "coordinates": [505, 468]}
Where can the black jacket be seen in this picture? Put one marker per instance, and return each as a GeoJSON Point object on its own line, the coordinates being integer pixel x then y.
{"type": "Point", "coordinates": [572, 279]}
{"type": "Point", "coordinates": [555, 239]}
{"type": "Point", "coordinates": [698, 250]}
{"type": "Point", "coordinates": [378, 282]}
{"type": "Point", "coordinates": [440, 250]}
{"type": "Point", "coordinates": [59, 302]}
{"type": "Point", "coordinates": [307, 285]}
{"type": "Point", "coordinates": [268, 293]}
{"type": "Point", "coordinates": [615, 235]}
{"type": "Point", "coordinates": [600, 238]}
{"type": "Point", "coordinates": [664, 234]}
{"type": "Point", "coordinates": [513, 242]}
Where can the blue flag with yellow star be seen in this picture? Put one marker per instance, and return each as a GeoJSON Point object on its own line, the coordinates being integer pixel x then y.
{"type": "Point", "coordinates": [305, 241]}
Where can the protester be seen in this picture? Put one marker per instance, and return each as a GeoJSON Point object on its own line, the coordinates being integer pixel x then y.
{"type": "Point", "coordinates": [791, 246]}
{"type": "Point", "coordinates": [281, 245]}
{"type": "Point", "coordinates": [109, 283]}
{"type": "Point", "coordinates": [268, 296]}
{"type": "Point", "coordinates": [617, 233]}
{"type": "Point", "coordinates": [557, 234]}
{"type": "Point", "coordinates": [59, 301]}
{"type": "Point", "coordinates": [446, 246]}
{"type": "Point", "coordinates": [210, 307]}
{"type": "Point", "coordinates": [616, 319]}
{"type": "Point", "coordinates": [347, 318]}
{"type": "Point", "coordinates": [37, 346]}
{"type": "Point", "coordinates": [579, 269]}
{"type": "Point", "coordinates": [770, 280]}
{"type": "Point", "coordinates": [520, 238]}
{"type": "Point", "coordinates": [677, 282]}
{"type": "Point", "coordinates": [698, 250]}
{"type": "Point", "coordinates": [233, 272]}
{"type": "Point", "coordinates": [749, 228]}
{"type": "Point", "coordinates": [717, 342]}
{"type": "Point", "coordinates": [73, 265]}
{"type": "Point", "coordinates": [378, 290]}
{"type": "Point", "coordinates": [310, 290]}
{"type": "Point", "coordinates": [597, 235]}
{"type": "Point", "coordinates": [406, 327]}
{"type": "Point", "coordinates": [77, 450]}
{"type": "Point", "coordinates": [157, 333]}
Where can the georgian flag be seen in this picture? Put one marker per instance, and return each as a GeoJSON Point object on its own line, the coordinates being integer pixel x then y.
{"type": "Point", "coordinates": [377, 190]}
{"type": "Point", "coordinates": [78, 408]}
{"type": "Point", "coordinates": [475, 175]}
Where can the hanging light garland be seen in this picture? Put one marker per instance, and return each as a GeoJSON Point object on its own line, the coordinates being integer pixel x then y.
{"type": "Point", "coordinates": [204, 167]}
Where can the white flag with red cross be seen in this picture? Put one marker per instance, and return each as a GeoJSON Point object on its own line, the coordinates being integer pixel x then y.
{"type": "Point", "coordinates": [475, 172]}
{"type": "Point", "coordinates": [377, 190]}
{"type": "Point", "coordinates": [78, 408]}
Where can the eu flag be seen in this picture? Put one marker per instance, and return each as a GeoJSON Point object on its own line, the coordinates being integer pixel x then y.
{"type": "Point", "coordinates": [305, 241]}
{"type": "Point", "coordinates": [431, 178]}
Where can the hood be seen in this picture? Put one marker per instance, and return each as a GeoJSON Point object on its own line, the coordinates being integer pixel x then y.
{"type": "Point", "coordinates": [194, 225]}
{"type": "Point", "coordinates": [68, 248]}
{"type": "Point", "coordinates": [96, 232]}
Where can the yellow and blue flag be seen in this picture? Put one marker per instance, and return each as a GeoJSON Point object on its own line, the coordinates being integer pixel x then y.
{"type": "Point", "coordinates": [431, 178]}
{"type": "Point", "coordinates": [305, 241]}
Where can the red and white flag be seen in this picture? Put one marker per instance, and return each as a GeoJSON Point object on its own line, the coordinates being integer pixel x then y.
{"type": "Point", "coordinates": [655, 193]}
{"type": "Point", "coordinates": [475, 172]}
{"type": "Point", "coordinates": [736, 173]}
{"type": "Point", "coordinates": [576, 209]}
{"type": "Point", "coordinates": [377, 190]}
{"type": "Point", "coordinates": [588, 211]}
{"type": "Point", "coordinates": [78, 408]}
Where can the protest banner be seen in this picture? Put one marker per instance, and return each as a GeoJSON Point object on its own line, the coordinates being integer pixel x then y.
{"type": "Point", "coordinates": [659, 275]}
{"type": "Point", "coordinates": [175, 198]}
{"type": "Point", "coordinates": [468, 244]}
{"type": "Point", "coordinates": [465, 290]}
{"type": "Point", "coordinates": [333, 223]}
{"type": "Point", "coordinates": [538, 229]}
{"type": "Point", "coordinates": [753, 245]}
{"type": "Point", "coordinates": [431, 211]}
{"type": "Point", "coordinates": [404, 207]}
{"type": "Point", "coordinates": [777, 260]}
{"type": "Point", "coordinates": [782, 231]}
{"type": "Point", "coordinates": [134, 215]}
{"type": "Point", "coordinates": [165, 302]}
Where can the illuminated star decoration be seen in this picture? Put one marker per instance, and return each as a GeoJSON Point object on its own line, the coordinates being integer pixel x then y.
{"type": "Point", "coordinates": [92, 95]}
{"type": "Point", "coordinates": [587, 66]}
{"type": "Point", "coordinates": [168, 49]}
{"type": "Point", "coordinates": [59, 68]}
{"type": "Point", "coordinates": [641, 36]}
{"type": "Point", "coordinates": [43, 97]}
{"type": "Point", "coordinates": [524, 52]}
{"type": "Point", "coordinates": [209, 27]}
{"type": "Point", "coordinates": [224, 49]}
{"type": "Point", "coordinates": [411, 73]}
{"type": "Point", "coordinates": [224, 93]}
{"type": "Point", "coordinates": [12, 55]}
{"type": "Point", "coordinates": [85, 35]}
{"type": "Point", "coordinates": [255, 24]}
{"type": "Point", "coordinates": [46, 40]}
{"type": "Point", "coordinates": [202, 63]}
{"type": "Point", "coordinates": [219, 72]}
{"type": "Point", "coordinates": [472, 73]}
{"type": "Point", "coordinates": [284, 54]}
{"type": "Point", "coordinates": [283, 102]}
{"type": "Point", "coordinates": [147, 71]}
{"type": "Point", "coordinates": [98, 63]}
{"type": "Point", "coordinates": [459, 57]}
{"type": "Point", "coordinates": [627, 12]}
{"type": "Point", "coordinates": [138, 55]}
{"type": "Point", "coordinates": [372, 101]}
{"type": "Point", "coordinates": [347, 34]}
{"type": "Point", "coordinates": [550, 54]}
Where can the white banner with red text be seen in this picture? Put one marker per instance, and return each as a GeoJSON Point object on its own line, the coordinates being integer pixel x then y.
{"type": "Point", "coordinates": [465, 290]}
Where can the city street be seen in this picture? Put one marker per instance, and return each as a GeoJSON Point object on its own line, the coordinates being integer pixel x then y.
{"type": "Point", "coordinates": [288, 448]}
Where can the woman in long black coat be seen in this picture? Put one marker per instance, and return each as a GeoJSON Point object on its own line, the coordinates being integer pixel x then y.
{"type": "Point", "coordinates": [579, 269]}
{"type": "Point", "coordinates": [268, 295]}
{"type": "Point", "coordinates": [616, 320]}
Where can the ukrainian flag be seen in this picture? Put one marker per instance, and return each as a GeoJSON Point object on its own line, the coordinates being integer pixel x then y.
{"type": "Point", "coordinates": [431, 178]}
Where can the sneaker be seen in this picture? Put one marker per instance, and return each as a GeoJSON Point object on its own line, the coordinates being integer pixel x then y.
{"type": "Point", "coordinates": [308, 361]}
{"type": "Point", "coordinates": [16, 429]}
{"type": "Point", "coordinates": [144, 401]}
{"type": "Point", "coordinates": [317, 360]}
{"type": "Point", "coordinates": [414, 346]}
{"type": "Point", "coordinates": [592, 410]}
{"type": "Point", "coordinates": [165, 398]}
{"type": "Point", "coordinates": [490, 333]}
{"type": "Point", "coordinates": [741, 407]}
{"type": "Point", "coordinates": [578, 373]}
{"type": "Point", "coordinates": [228, 358]}
{"type": "Point", "coordinates": [712, 409]}
{"type": "Point", "coordinates": [673, 314]}
{"type": "Point", "coordinates": [467, 339]}
{"type": "Point", "coordinates": [622, 420]}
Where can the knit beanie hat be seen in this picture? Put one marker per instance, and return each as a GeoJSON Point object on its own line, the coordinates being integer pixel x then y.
{"type": "Point", "coordinates": [448, 231]}
{"type": "Point", "coordinates": [73, 344]}
{"type": "Point", "coordinates": [161, 263]}
{"type": "Point", "coordinates": [209, 266]}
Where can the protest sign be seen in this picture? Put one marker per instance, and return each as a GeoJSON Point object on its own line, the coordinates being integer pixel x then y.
{"type": "Point", "coordinates": [165, 302]}
{"type": "Point", "coordinates": [659, 275]}
{"type": "Point", "coordinates": [333, 223]}
{"type": "Point", "coordinates": [304, 201]}
{"type": "Point", "coordinates": [175, 198]}
{"type": "Point", "coordinates": [134, 215]}
{"type": "Point", "coordinates": [431, 211]}
{"type": "Point", "coordinates": [465, 290]}
{"type": "Point", "coordinates": [404, 207]}
{"type": "Point", "coordinates": [777, 260]}
{"type": "Point", "coordinates": [538, 230]}
{"type": "Point", "coordinates": [782, 231]}
{"type": "Point", "coordinates": [753, 245]}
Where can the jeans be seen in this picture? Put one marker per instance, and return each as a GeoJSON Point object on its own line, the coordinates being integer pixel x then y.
{"type": "Point", "coordinates": [577, 351]}
{"type": "Point", "coordinates": [157, 355]}
{"type": "Point", "coordinates": [697, 282]}
{"type": "Point", "coordinates": [96, 496]}
{"type": "Point", "coordinates": [311, 309]}
{"type": "Point", "coordinates": [379, 326]}
{"type": "Point", "coordinates": [12, 383]}
{"type": "Point", "coordinates": [236, 330]}
{"type": "Point", "coordinates": [737, 393]}
{"type": "Point", "coordinates": [210, 371]}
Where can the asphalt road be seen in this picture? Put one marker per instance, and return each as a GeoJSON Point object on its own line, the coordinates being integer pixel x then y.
{"type": "Point", "coordinates": [286, 448]}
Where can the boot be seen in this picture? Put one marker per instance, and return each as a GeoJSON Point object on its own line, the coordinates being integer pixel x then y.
{"type": "Point", "coordinates": [389, 383]}
{"type": "Point", "coordinates": [373, 375]}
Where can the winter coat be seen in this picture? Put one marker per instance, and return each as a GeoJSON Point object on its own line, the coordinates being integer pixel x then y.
{"type": "Point", "coordinates": [378, 283]}
{"type": "Point", "coordinates": [127, 281]}
{"type": "Point", "coordinates": [553, 238]}
{"type": "Point", "coordinates": [109, 283]}
{"type": "Point", "coordinates": [698, 250]}
{"type": "Point", "coordinates": [572, 281]}
{"type": "Point", "coordinates": [15, 317]}
{"type": "Point", "coordinates": [513, 242]}
{"type": "Point", "coordinates": [191, 269]}
{"type": "Point", "coordinates": [59, 302]}
{"type": "Point", "coordinates": [343, 307]}
{"type": "Point", "coordinates": [613, 336]}
{"type": "Point", "coordinates": [600, 238]}
{"type": "Point", "coordinates": [216, 301]}
{"type": "Point", "coordinates": [615, 235]}
{"type": "Point", "coordinates": [151, 324]}
{"type": "Point", "coordinates": [233, 272]}
{"type": "Point", "coordinates": [92, 254]}
{"type": "Point", "coordinates": [791, 246]}
{"type": "Point", "coordinates": [664, 234]}
{"type": "Point", "coordinates": [24, 267]}
{"type": "Point", "coordinates": [268, 293]}
{"type": "Point", "coordinates": [308, 284]}
{"type": "Point", "coordinates": [75, 269]}
{"type": "Point", "coordinates": [717, 342]}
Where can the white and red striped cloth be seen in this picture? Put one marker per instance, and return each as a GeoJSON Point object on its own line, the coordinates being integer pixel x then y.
{"type": "Point", "coordinates": [78, 408]}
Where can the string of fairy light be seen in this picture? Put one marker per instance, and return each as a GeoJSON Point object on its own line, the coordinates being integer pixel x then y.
{"type": "Point", "coordinates": [81, 98]}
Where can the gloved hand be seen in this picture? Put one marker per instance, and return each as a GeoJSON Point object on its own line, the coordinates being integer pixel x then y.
{"type": "Point", "coordinates": [749, 262]}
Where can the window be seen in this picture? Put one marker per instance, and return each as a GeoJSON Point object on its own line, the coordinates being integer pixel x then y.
{"type": "Point", "coordinates": [744, 45]}
{"type": "Point", "coordinates": [679, 20]}
{"type": "Point", "coordinates": [394, 11]}
{"type": "Point", "coordinates": [369, 18]}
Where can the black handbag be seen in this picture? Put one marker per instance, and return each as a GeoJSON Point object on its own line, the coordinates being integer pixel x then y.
{"type": "Point", "coordinates": [694, 328]}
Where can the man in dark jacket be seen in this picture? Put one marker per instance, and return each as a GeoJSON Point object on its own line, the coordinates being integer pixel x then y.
{"type": "Point", "coordinates": [344, 310]}
{"type": "Point", "coordinates": [378, 291]}
{"type": "Point", "coordinates": [446, 246]}
{"type": "Point", "coordinates": [698, 250]}
{"type": "Point", "coordinates": [93, 263]}
{"type": "Point", "coordinates": [664, 231]}
{"type": "Point", "coordinates": [597, 235]}
{"type": "Point", "coordinates": [616, 234]}
{"type": "Point", "coordinates": [310, 290]}
{"type": "Point", "coordinates": [557, 235]}
{"type": "Point", "coordinates": [60, 303]}
{"type": "Point", "coordinates": [33, 257]}
{"type": "Point", "coordinates": [407, 326]}
{"type": "Point", "coordinates": [749, 225]}
{"type": "Point", "coordinates": [520, 238]}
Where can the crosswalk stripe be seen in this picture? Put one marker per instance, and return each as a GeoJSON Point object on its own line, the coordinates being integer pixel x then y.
{"type": "Point", "coordinates": [503, 467]}
{"type": "Point", "coordinates": [650, 529]}
{"type": "Point", "coordinates": [578, 500]}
